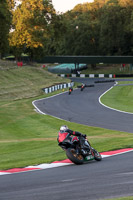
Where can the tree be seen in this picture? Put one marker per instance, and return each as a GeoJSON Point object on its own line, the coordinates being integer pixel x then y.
{"type": "Point", "coordinates": [11, 4]}
{"type": "Point", "coordinates": [115, 37]}
{"type": "Point", "coordinates": [80, 37]}
{"type": "Point", "coordinates": [31, 21]}
{"type": "Point", "coordinates": [5, 24]}
{"type": "Point", "coordinates": [126, 3]}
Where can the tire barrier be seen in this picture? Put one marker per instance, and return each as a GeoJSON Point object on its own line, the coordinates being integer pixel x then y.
{"type": "Point", "coordinates": [89, 85]}
{"type": "Point", "coordinates": [79, 86]}
{"type": "Point", "coordinates": [59, 86]}
{"type": "Point", "coordinates": [104, 81]}
{"type": "Point", "coordinates": [123, 75]}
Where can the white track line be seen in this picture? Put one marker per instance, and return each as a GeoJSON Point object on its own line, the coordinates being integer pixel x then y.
{"type": "Point", "coordinates": [111, 107]}
{"type": "Point", "coordinates": [99, 99]}
{"type": "Point", "coordinates": [38, 110]}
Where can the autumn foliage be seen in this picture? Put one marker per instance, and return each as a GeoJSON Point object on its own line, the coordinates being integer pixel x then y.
{"type": "Point", "coordinates": [104, 27]}
{"type": "Point", "coordinates": [30, 21]}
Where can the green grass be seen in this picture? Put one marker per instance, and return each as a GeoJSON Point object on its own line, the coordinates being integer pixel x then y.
{"type": "Point", "coordinates": [25, 82]}
{"type": "Point", "coordinates": [108, 69]}
{"type": "Point", "coordinates": [122, 198]}
{"type": "Point", "coordinates": [29, 138]}
{"type": "Point", "coordinates": [125, 82]}
{"type": "Point", "coordinates": [120, 97]}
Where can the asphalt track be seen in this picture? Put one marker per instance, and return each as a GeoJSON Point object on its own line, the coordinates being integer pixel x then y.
{"type": "Point", "coordinates": [84, 108]}
{"type": "Point", "coordinates": [112, 177]}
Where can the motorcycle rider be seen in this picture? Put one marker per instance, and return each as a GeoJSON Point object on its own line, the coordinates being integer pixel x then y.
{"type": "Point", "coordinates": [66, 133]}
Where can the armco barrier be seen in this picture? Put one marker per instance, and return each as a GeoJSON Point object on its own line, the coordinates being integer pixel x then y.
{"type": "Point", "coordinates": [53, 88]}
{"type": "Point", "coordinates": [88, 75]}
{"type": "Point", "coordinates": [97, 75]}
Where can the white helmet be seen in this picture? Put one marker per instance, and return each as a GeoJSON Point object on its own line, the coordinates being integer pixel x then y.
{"type": "Point", "coordinates": [63, 128]}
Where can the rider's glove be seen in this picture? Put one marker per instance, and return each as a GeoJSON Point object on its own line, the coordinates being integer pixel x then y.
{"type": "Point", "coordinates": [84, 135]}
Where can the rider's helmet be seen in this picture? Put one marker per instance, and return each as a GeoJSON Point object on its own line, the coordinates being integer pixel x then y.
{"type": "Point", "coordinates": [63, 128]}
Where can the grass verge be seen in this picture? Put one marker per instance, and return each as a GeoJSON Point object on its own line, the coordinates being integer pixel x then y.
{"type": "Point", "coordinates": [120, 97]}
{"type": "Point", "coordinates": [25, 82]}
{"type": "Point", "coordinates": [122, 198]}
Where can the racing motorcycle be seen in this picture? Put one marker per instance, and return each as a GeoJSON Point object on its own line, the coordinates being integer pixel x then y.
{"type": "Point", "coordinates": [82, 87]}
{"type": "Point", "coordinates": [77, 154]}
{"type": "Point", "coordinates": [70, 90]}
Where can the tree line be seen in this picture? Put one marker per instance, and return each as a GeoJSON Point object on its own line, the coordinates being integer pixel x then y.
{"type": "Point", "coordinates": [104, 27]}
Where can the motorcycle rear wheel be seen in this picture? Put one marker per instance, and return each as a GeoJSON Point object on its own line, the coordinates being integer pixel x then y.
{"type": "Point", "coordinates": [74, 157]}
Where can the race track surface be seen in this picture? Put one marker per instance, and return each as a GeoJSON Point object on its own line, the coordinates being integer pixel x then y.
{"type": "Point", "coordinates": [112, 177]}
{"type": "Point", "coordinates": [84, 108]}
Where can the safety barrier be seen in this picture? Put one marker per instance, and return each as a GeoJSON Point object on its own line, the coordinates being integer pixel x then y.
{"type": "Point", "coordinates": [88, 75]}
{"type": "Point", "coordinates": [57, 87]}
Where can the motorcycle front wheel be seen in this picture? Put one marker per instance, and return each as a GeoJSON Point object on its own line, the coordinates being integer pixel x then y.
{"type": "Point", "coordinates": [97, 155]}
{"type": "Point", "coordinates": [74, 157]}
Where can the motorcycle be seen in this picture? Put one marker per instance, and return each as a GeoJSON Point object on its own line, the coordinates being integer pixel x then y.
{"type": "Point", "coordinates": [82, 87]}
{"type": "Point", "coordinates": [70, 90]}
{"type": "Point", "coordinates": [77, 154]}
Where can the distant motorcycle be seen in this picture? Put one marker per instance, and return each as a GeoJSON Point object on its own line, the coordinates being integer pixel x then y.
{"type": "Point", "coordinates": [70, 90]}
{"type": "Point", "coordinates": [78, 155]}
{"type": "Point", "coordinates": [82, 87]}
